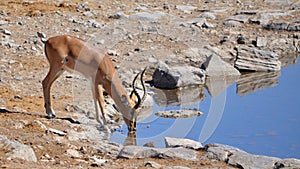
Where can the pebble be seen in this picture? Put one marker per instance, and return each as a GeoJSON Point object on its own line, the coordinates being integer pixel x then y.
{"type": "Point", "coordinates": [6, 32]}
{"type": "Point", "coordinates": [96, 162]}
{"type": "Point", "coordinates": [74, 153]}
{"type": "Point", "coordinates": [241, 40]}
{"type": "Point", "coordinates": [2, 22]}
{"type": "Point", "coordinates": [118, 16]}
{"type": "Point", "coordinates": [152, 164]}
{"type": "Point", "coordinates": [112, 53]}
{"type": "Point", "coordinates": [41, 35]}
{"type": "Point", "coordinates": [261, 41]}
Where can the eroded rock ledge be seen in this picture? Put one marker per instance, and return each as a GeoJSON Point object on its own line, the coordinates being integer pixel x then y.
{"type": "Point", "coordinates": [232, 156]}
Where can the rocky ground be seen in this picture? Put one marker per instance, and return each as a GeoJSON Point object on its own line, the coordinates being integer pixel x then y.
{"type": "Point", "coordinates": [173, 32]}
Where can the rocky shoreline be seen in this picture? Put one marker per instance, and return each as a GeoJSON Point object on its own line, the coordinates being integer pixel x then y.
{"type": "Point", "coordinates": [176, 149]}
{"type": "Point", "coordinates": [178, 39]}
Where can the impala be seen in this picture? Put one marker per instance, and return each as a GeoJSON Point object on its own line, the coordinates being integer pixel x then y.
{"type": "Point", "coordinates": [71, 53]}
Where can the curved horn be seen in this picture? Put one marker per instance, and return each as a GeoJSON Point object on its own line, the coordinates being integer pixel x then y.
{"type": "Point", "coordinates": [140, 101]}
{"type": "Point", "coordinates": [134, 88]}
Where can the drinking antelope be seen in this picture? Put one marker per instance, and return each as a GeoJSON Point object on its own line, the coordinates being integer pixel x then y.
{"type": "Point", "coordinates": [71, 53]}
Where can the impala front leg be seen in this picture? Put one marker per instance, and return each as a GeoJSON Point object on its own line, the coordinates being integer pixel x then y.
{"type": "Point", "coordinates": [99, 104]}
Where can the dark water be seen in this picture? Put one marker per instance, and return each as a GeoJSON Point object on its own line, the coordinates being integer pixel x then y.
{"type": "Point", "coordinates": [259, 113]}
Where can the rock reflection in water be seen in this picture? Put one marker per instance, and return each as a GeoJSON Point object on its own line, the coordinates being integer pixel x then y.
{"type": "Point", "coordinates": [216, 85]}
{"type": "Point", "coordinates": [179, 97]}
{"type": "Point", "coordinates": [250, 82]}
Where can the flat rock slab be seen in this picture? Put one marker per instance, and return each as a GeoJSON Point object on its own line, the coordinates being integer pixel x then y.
{"type": "Point", "coordinates": [249, 161]}
{"type": "Point", "coordinates": [178, 113]}
{"type": "Point", "coordinates": [147, 16]}
{"type": "Point", "coordinates": [130, 152]}
{"type": "Point", "coordinates": [186, 8]}
{"type": "Point", "coordinates": [252, 59]}
{"type": "Point", "coordinates": [181, 142]}
{"type": "Point", "coordinates": [239, 18]}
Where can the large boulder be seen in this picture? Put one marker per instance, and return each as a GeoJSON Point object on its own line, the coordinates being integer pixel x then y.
{"type": "Point", "coordinates": [220, 74]}
{"type": "Point", "coordinates": [252, 59]}
{"type": "Point", "coordinates": [166, 77]}
{"type": "Point", "coordinates": [215, 66]}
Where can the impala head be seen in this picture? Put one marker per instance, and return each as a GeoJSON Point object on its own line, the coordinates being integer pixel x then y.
{"type": "Point", "coordinates": [130, 119]}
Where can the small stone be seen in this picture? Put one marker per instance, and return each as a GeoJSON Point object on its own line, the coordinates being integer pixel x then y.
{"type": "Point", "coordinates": [166, 6]}
{"type": "Point", "coordinates": [208, 15]}
{"type": "Point", "coordinates": [241, 39]}
{"type": "Point", "coordinates": [150, 144]}
{"type": "Point", "coordinates": [98, 162]}
{"type": "Point", "coordinates": [152, 60]}
{"type": "Point", "coordinates": [152, 164]}
{"type": "Point", "coordinates": [2, 22]}
{"type": "Point", "coordinates": [44, 40]}
{"type": "Point", "coordinates": [118, 16]}
{"type": "Point", "coordinates": [33, 48]}
{"type": "Point", "coordinates": [261, 41]}
{"type": "Point", "coordinates": [58, 132]}
{"type": "Point", "coordinates": [41, 35]}
{"type": "Point", "coordinates": [18, 97]}
{"type": "Point", "coordinates": [113, 53]}
{"type": "Point", "coordinates": [6, 32]}
{"type": "Point", "coordinates": [232, 23]}
{"type": "Point", "coordinates": [207, 25]}
{"type": "Point", "coordinates": [74, 153]}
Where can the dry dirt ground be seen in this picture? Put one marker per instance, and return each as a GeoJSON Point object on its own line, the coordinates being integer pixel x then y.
{"type": "Point", "coordinates": [22, 71]}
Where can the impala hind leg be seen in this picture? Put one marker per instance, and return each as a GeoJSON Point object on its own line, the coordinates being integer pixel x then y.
{"type": "Point", "coordinates": [53, 74]}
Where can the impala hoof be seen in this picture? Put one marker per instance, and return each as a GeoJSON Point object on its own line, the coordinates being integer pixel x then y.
{"type": "Point", "coordinates": [51, 116]}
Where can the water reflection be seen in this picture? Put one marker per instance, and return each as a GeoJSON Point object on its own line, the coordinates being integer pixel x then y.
{"type": "Point", "coordinates": [252, 122]}
{"type": "Point", "coordinates": [179, 97]}
{"type": "Point", "coordinates": [216, 85]}
{"type": "Point", "coordinates": [250, 82]}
